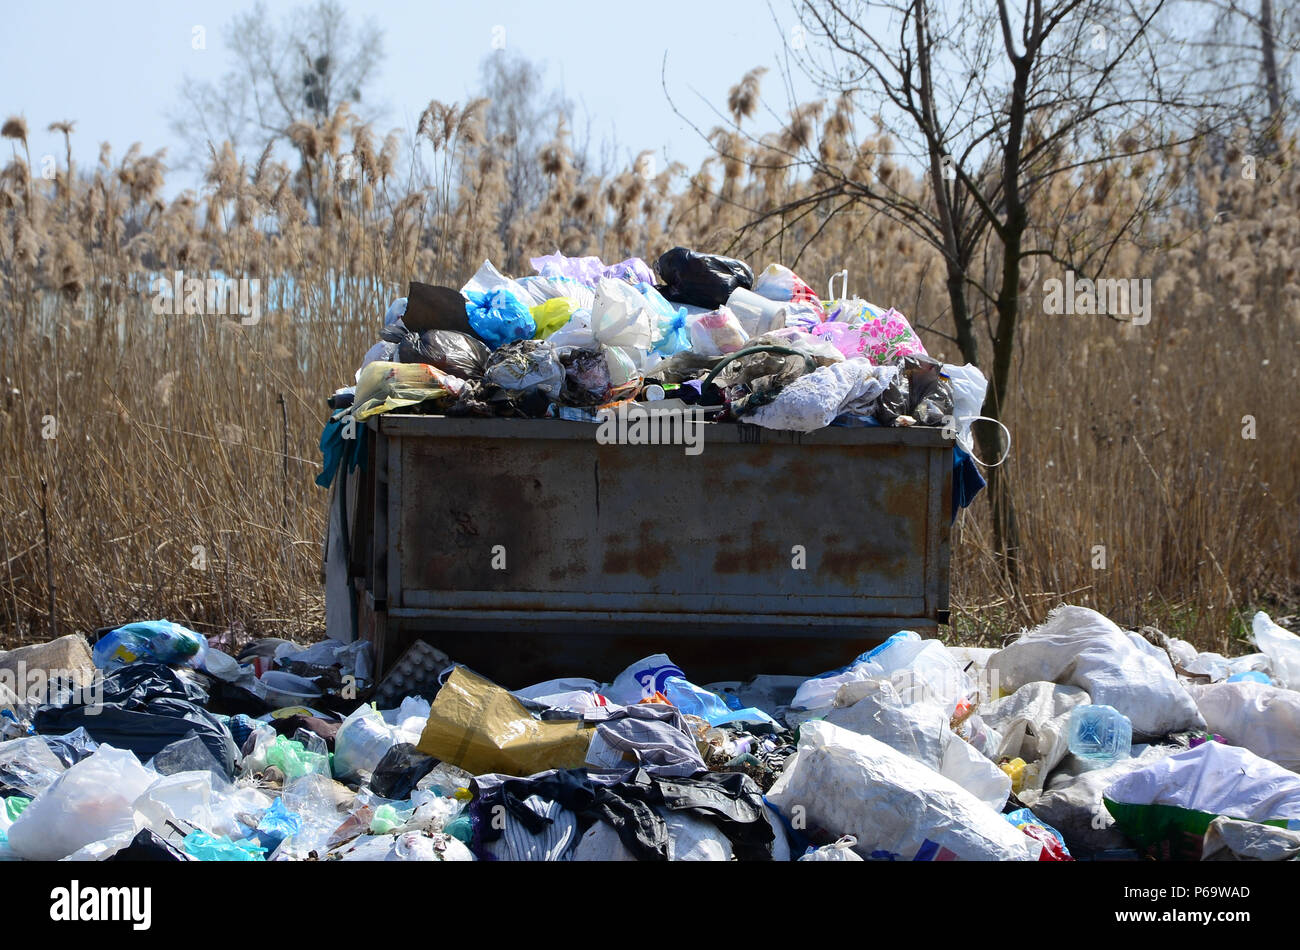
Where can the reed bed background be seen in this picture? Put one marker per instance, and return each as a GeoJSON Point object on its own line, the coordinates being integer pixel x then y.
{"type": "Point", "coordinates": [162, 466]}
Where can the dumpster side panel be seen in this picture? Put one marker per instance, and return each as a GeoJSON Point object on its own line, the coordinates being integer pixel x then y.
{"type": "Point", "coordinates": [530, 538]}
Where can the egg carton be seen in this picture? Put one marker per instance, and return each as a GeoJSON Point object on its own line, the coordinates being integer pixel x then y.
{"type": "Point", "coordinates": [418, 672]}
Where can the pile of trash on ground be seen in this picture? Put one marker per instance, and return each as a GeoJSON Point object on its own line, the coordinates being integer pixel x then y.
{"type": "Point", "coordinates": [1078, 740]}
{"type": "Point", "coordinates": [581, 338]}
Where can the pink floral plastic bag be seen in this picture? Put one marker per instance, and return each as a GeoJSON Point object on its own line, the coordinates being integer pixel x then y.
{"type": "Point", "coordinates": [881, 339]}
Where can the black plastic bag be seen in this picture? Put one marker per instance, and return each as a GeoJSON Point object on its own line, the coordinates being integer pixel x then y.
{"type": "Point", "coordinates": [457, 353]}
{"type": "Point", "coordinates": [399, 771]}
{"type": "Point", "coordinates": [145, 708]}
{"type": "Point", "coordinates": [701, 280]}
{"type": "Point", "coordinates": [431, 307]}
{"type": "Point", "coordinates": [147, 846]}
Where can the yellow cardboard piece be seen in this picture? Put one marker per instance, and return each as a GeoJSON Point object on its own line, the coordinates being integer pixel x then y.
{"type": "Point", "coordinates": [476, 725]}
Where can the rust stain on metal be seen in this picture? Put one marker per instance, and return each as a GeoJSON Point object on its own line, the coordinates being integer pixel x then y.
{"type": "Point", "coordinates": [648, 557]}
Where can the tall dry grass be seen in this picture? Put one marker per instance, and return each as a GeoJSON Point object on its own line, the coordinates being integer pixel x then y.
{"type": "Point", "coordinates": [179, 475]}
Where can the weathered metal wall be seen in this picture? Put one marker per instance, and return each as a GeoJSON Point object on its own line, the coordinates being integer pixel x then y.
{"type": "Point", "coordinates": [526, 549]}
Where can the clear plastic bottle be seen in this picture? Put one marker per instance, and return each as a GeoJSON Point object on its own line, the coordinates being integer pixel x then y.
{"type": "Point", "coordinates": [1101, 734]}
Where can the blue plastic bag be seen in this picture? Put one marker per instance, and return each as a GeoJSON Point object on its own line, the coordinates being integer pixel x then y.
{"type": "Point", "coordinates": [712, 708]}
{"type": "Point", "coordinates": [498, 317]}
{"type": "Point", "coordinates": [159, 641]}
{"type": "Point", "coordinates": [199, 844]}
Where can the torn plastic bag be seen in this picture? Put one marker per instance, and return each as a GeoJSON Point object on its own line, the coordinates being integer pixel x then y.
{"type": "Point", "coordinates": [200, 799]}
{"type": "Point", "coordinates": [28, 767]}
{"type": "Point", "coordinates": [409, 846]}
{"type": "Point", "coordinates": [1264, 719]}
{"type": "Point", "coordinates": [842, 783]}
{"type": "Point", "coordinates": [383, 387]}
{"type": "Point", "coordinates": [524, 368]}
{"type": "Point", "coordinates": [456, 353]}
{"type": "Point", "coordinates": [145, 707]}
{"type": "Point", "coordinates": [1080, 647]}
{"type": "Point", "coordinates": [642, 680]}
{"type": "Point", "coordinates": [703, 280]}
{"type": "Point", "coordinates": [1281, 646]}
{"type": "Point", "coordinates": [92, 801]}
{"type": "Point", "coordinates": [478, 726]}
{"type": "Point", "coordinates": [1034, 723]}
{"type": "Point", "coordinates": [1169, 804]}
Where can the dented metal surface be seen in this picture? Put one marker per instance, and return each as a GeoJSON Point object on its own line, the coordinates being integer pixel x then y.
{"type": "Point", "coordinates": [528, 549]}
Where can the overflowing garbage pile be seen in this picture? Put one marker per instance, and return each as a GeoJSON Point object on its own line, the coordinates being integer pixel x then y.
{"type": "Point", "coordinates": [1079, 740]}
{"type": "Point", "coordinates": [580, 338]}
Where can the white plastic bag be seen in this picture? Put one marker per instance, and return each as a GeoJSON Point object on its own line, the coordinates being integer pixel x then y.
{"type": "Point", "coordinates": [1035, 725]}
{"type": "Point", "coordinates": [93, 800]}
{"type": "Point", "coordinates": [920, 730]}
{"type": "Point", "coordinates": [1282, 647]}
{"type": "Point", "coordinates": [841, 850]}
{"type": "Point", "coordinates": [362, 741]}
{"type": "Point", "coordinates": [620, 316]}
{"type": "Point", "coordinates": [812, 401]}
{"type": "Point", "coordinates": [642, 680]}
{"type": "Point", "coordinates": [842, 783]}
{"type": "Point", "coordinates": [1177, 796]}
{"type": "Point", "coordinates": [201, 799]}
{"type": "Point", "coordinates": [489, 278]}
{"type": "Point", "coordinates": [1261, 718]}
{"type": "Point", "coordinates": [1080, 647]}
{"type": "Point", "coordinates": [969, 387]}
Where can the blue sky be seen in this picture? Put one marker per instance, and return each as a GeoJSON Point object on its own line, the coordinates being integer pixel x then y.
{"type": "Point", "coordinates": [115, 68]}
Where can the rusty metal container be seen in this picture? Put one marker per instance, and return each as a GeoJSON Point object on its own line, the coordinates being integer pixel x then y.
{"type": "Point", "coordinates": [526, 549]}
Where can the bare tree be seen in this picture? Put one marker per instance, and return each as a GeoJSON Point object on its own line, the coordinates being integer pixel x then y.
{"type": "Point", "coordinates": [1247, 46]}
{"type": "Point", "coordinates": [299, 71]}
{"type": "Point", "coordinates": [520, 119]}
{"type": "Point", "coordinates": [993, 106]}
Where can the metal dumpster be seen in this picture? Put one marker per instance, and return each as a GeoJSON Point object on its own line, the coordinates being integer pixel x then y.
{"type": "Point", "coordinates": [526, 549]}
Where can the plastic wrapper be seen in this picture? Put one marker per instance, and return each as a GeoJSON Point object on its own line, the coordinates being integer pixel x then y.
{"type": "Point", "coordinates": [387, 386]}
{"type": "Point", "coordinates": [478, 726]}
{"type": "Point", "coordinates": [159, 641]}
{"type": "Point", "coordinates": [704, 280]}
{"type": "Point", "coordinates": [456, 353]}
{"type": "Point", "coordinates": [778, 282]}
{"type": "Point", "coordinates": [716, 333]}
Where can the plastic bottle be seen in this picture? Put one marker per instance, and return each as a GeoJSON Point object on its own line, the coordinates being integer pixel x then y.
{"type": "Point", "coordinates": [1100, 734]}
